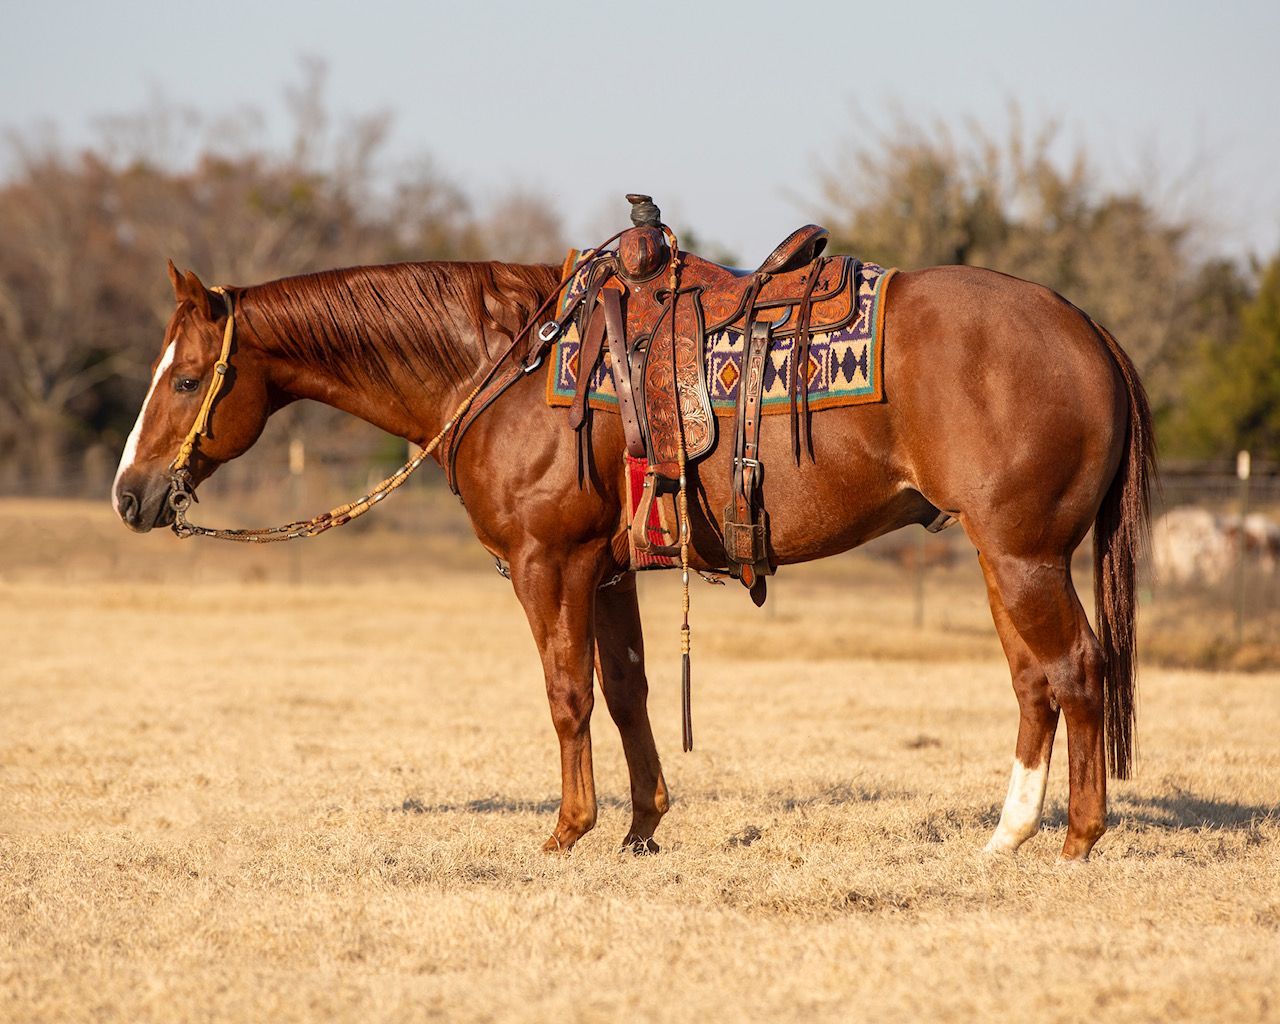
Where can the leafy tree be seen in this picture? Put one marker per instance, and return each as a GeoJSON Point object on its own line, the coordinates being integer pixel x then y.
{"type": "Point", "coordinates": [1232, 385]}
{"type": "Point", "coordinates": [917, 196]}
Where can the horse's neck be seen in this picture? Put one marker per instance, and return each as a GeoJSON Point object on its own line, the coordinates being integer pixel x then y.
{"type": "Point", "coordinates": [414, 406]}
{"type": "Point", "coordinates": [414, 410]}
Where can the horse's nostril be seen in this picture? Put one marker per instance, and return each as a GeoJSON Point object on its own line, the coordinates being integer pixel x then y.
{"type": "Point", "coordinates": [129, 508]}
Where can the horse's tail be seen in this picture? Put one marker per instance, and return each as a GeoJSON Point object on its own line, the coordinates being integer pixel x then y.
{"type": "Point", "coordinates": [1120, 534]}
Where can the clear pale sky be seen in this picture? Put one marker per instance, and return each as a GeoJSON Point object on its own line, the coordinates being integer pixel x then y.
{"type": "Point", "coordinates": [720, 110]}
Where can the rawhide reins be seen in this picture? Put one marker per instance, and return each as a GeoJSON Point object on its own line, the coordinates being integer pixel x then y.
{"type": "Point", "coordinates": [182, 492]}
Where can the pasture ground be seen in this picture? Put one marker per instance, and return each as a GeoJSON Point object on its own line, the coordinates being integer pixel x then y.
{"type": "Point", "coordinates": [236, 786]}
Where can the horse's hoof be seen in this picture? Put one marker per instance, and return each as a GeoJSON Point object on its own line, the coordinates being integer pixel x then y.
{"type": "Point", "coordinates": [639, 847]}
{"type": "Point", "coordinates": [553, 845]}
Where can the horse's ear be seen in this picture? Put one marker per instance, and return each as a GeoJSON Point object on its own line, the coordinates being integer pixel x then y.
{"type": "Point", "coordinates": [175, 279]}
{"type": "Point", "coordinates": [198, 294]}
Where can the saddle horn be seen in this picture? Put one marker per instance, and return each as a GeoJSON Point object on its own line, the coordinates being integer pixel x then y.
{"type": "Point", "coordinates": [643, 252]}
{"type": "Point", "coordinates": [644, 214]}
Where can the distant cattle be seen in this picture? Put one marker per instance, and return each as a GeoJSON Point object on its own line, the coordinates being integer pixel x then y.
{"type": "Point", "coordinates": [1194, 545]}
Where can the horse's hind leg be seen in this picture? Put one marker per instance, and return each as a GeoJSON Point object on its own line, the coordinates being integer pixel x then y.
{"type": "Point", "coordinates": [1037, 723]}
{"type": "Point", "coordinates": [1042, 605]}
{"type": "Point", "coordinates": [620, 667]}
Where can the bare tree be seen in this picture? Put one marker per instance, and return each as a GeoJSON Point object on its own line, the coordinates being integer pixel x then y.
{"type": "Point", "coordinates": [83, 240]}
{"type": "Point", "coordinates": [920, 195]}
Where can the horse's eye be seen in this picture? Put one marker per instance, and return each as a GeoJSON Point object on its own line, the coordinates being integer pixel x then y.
{"type": "Point", "coordinates": [186, 384]}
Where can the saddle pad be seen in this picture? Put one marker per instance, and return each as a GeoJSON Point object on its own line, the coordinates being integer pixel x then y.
{"type": "Point", "coordinates": [845, 366]}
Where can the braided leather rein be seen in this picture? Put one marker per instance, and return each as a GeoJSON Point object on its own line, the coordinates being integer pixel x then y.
{"type": "Point", "coordinates": [182, 490]}
{"type": "Point", "coordinates": [182, 493]}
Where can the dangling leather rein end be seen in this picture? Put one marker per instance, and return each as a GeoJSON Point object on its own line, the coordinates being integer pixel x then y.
{"type": "Point", "coordinates": [686, 690]}
{"type": "Point", "coordinates": [682, 517]}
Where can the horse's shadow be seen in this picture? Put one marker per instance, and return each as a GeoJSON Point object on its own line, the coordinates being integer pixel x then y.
{"type": "Point", "coordinates": [835, 796]}
{"type": "Point", "coordinates": [1167, 813]}
{"type": "Point", "coordinates": [497, 805]}
{"type": "Point", "coordinates": [1175, 812]}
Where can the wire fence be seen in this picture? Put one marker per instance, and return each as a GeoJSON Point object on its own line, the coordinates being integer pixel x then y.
{"type": "Point", "coordinates": [1229, 620]}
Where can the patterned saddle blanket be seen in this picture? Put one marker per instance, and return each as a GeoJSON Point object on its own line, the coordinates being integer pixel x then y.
{"type": "Point", "coordinates": [845, 365]}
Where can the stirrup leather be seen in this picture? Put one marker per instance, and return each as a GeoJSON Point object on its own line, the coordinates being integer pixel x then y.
{"type": "Point", "coordinates": [746, 524]}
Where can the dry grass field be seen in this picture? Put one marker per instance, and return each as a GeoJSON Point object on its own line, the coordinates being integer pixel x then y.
{"type": "Point", "coordinates": [250, 785]}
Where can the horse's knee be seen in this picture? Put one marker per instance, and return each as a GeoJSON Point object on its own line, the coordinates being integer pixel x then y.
{"type": "Point", "coordinates": [1031, 687]}
{"type": "Point", "coordinates": [570, 708]}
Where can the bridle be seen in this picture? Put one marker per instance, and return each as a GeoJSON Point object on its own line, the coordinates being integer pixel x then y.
{"type": "Point", "coordinates": [182, 490]}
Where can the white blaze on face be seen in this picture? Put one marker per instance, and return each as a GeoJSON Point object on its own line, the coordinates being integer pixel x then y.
{"type": "Point", "coordinates": [131, 445]}
{"type": "Point", "coordinates": [1023, 806]}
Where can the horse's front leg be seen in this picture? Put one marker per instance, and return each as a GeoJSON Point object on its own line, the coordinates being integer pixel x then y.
{"type": "Point", "coordinates": [557, 590]}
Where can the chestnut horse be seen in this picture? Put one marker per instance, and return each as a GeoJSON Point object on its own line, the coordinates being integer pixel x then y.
{"type": "Point", "coordinates": [1006, 408]}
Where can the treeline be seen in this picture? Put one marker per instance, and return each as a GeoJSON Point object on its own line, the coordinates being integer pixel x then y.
{"type": "Point", "coordinates": [1203, 329]}
{"type": "Point", "coordinates": [84, 236]}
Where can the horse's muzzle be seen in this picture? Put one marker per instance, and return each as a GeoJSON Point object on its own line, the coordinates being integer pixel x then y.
{"type": "Point", "coordinates": [142, 506]}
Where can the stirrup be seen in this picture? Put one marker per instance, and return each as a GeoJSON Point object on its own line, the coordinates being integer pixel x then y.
{"type": "Point", "coordinates": [654, 486]}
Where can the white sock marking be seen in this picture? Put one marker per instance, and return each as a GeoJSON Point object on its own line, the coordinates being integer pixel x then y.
{"type": "Point", "coordinates": [131, 445]}
{"type": "Point", "coordinates": [1023, 806]}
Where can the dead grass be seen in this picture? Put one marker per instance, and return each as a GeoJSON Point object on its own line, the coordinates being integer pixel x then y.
{"type": "Point", "coordinates": [250, 800]}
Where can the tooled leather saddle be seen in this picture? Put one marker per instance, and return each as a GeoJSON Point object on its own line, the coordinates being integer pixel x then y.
{"type": "Point", "coordinates": [655, 307]}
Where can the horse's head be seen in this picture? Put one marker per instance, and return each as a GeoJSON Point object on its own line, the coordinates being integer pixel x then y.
{"type": "Point", "coordinates": [180, 380]}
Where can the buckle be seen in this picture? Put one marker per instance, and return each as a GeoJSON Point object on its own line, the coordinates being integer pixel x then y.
{"type": "Point", "coordinates": [550, 330]}
{"type": "Point", "coordinates": [528, 368]}
{"type": "Point", "coordinates": [742, 460]}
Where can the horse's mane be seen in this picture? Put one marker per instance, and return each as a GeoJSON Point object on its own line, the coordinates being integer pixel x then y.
{"type": "Point", "coordinates": [362, 323]}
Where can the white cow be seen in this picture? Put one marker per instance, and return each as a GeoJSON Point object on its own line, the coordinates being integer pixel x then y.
{"type": "Point", "coordinates": [1194, 545]}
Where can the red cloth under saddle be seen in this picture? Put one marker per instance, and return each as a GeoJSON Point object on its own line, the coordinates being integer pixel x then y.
{"type": "Point", "coordinates": [655, 528]}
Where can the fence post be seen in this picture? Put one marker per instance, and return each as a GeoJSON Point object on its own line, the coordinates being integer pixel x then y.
{"type": "Point", "coordinates": [1242, 474]}
{"type": "Point", "coordinates": [920, 555]}
{"type": "Point", "coordinates": [297, 466]}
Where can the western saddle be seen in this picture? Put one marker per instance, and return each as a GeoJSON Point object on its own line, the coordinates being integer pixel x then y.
{"type": "Point", "coordinates": [655, 307]}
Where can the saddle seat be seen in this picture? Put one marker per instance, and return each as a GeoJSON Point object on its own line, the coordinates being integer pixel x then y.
{"type": "Point", "coordinates": [779, 285]}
